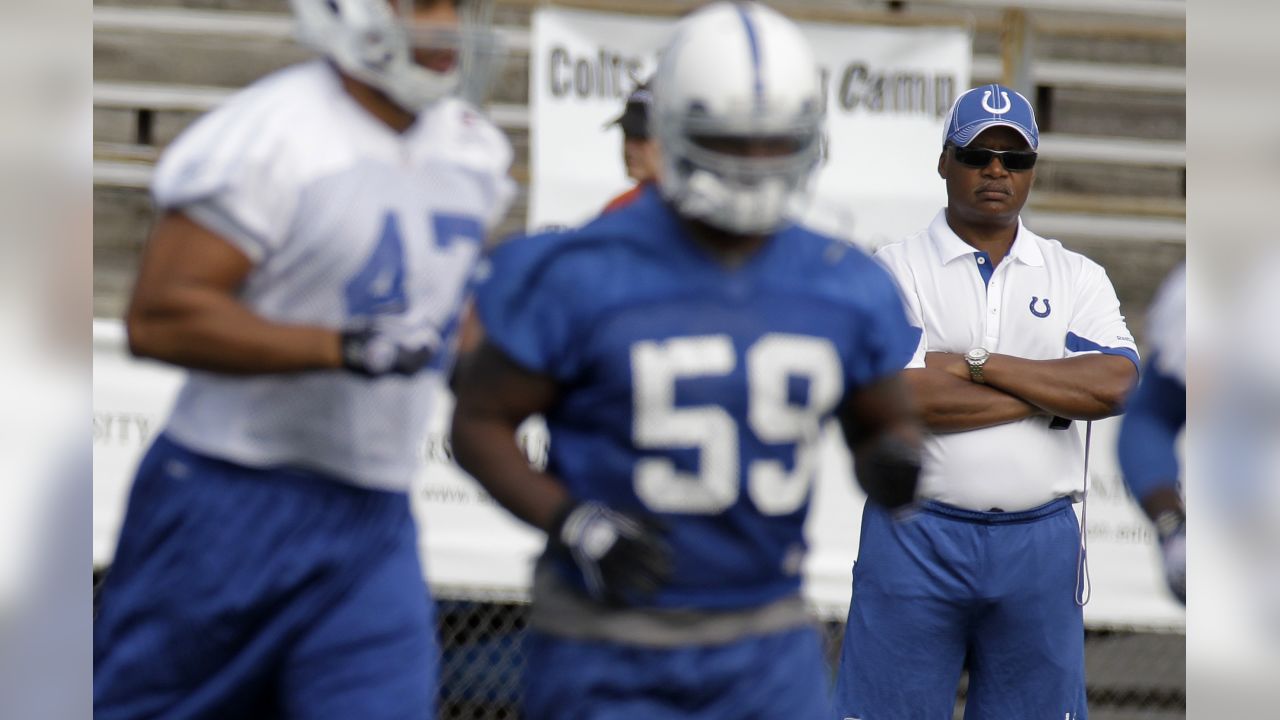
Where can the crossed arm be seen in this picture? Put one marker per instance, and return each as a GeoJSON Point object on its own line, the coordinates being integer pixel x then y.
{"type": "Point", "coordinates": [1084, 387]}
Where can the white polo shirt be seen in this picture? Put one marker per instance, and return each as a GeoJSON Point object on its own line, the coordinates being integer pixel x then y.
{"type": "Point", "coordinates": [1042, 302]}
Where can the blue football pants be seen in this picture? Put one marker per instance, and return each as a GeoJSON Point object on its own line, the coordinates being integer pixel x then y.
{"type": "Point", "coordinates": [243, 593]}
{"type": "Point", "coordinates": [950, 589]}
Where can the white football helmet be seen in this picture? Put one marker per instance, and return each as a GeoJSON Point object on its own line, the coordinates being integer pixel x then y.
{"type": "Point", "coordinates": [374, 42]}
{"type": "Point", "coordinates": [737, 71]}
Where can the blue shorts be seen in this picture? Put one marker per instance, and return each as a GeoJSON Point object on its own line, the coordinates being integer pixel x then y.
{"type": "Point", "coordinates": [239, 593]}
{"type": "Point", "coordinates": [764, 677]}
{"type": "Point", "coordinates": [951, 588]}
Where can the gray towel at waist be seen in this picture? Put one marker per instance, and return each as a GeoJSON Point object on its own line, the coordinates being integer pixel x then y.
{"type": "Point", "coordinates": [558, 610]}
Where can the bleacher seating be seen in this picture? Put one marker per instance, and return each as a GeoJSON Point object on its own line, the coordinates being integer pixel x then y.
{"type": "Point", "coordinates": [1109, 79]}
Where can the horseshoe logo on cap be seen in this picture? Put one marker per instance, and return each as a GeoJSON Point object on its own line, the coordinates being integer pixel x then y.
{"type": "Point", "coordinates": [986, 95]}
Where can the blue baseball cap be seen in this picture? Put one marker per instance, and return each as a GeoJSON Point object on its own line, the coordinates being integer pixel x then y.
{"type": "Point", "coordinates": [988, 106]}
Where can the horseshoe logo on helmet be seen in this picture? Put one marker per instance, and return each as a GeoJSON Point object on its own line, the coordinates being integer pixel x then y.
{"type": "Point", "coordinates": [986, 105]}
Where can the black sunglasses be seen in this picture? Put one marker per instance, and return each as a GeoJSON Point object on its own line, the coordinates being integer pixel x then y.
{"type": "Point", "coordinates": [1013, 160]}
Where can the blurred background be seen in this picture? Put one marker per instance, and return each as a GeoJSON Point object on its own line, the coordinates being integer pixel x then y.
{"type": "Point", "coordinates": [1233, 430]}
{"type": "Point", "coordinates": [1109, 82]}
{"type": "Point", "coordinates": [1107, 77]}
{"type": "Point", "coordinates": [45, 299]}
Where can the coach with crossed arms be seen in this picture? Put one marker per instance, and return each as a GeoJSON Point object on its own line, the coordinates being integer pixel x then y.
{"type": "Point", "coordinates": [1019, 337]}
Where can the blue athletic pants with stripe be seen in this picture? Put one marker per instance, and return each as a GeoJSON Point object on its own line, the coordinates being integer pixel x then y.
{"type": "Point", "coordinates": [244, 593]}
{"type": "Point", "coordinates": [949, 589]}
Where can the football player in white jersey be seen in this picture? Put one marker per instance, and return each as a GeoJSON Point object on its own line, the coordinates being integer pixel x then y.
{"type": "Point", "coordinates": [314, 246]}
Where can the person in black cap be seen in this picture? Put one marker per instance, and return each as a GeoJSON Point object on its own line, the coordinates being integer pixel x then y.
{"type": "Point", "coordinates": [639, 152]}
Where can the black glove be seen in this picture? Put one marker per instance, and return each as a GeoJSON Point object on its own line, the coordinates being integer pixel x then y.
{"type": "Point", "coordinates": [623, 558]}
{"type": "Point", "coordinates": [889, 472]}
{"type": "Point", "coordinates": [377, 350]}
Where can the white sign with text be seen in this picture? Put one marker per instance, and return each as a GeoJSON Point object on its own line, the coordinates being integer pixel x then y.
{"type": "Point", "coordinates": [888, 89]}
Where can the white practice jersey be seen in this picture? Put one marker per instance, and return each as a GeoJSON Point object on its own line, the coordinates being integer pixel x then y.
{"type": "Point", "coordinates": [344, 220]}
{"type": "Point", "coordinates": [1042, 302]}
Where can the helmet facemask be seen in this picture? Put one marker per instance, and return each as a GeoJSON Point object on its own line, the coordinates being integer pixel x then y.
{"type": "Point", "coordinates": [740, 179]}
{"type": "Point", "coordinates": [389, 45]}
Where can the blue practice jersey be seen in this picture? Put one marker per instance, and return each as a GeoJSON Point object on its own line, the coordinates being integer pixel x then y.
{"type": "Point", "coordinates": [693, 391]}
{"type": "Point", "coordinates": [1157, 409]}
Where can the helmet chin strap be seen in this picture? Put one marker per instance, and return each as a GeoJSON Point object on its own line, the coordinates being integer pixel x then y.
{"type": "Point", "coordinates": [744, 209]}
{"type": "Point", "coordinates": [414, 88]}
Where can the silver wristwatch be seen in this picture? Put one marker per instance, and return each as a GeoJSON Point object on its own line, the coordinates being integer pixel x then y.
{"type": "Point", "coordinates": [976, 358]}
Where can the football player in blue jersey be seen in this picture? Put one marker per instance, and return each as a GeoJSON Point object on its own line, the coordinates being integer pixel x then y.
{"type": "Point", "coordinates": [316, 238]}
{"type": "Point", "coordinates": [686, 351]}
{"type": "Point", "coordinates": [1153, 421]}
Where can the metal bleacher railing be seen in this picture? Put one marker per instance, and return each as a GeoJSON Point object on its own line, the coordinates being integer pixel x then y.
{"type": "Point", "coordinates": [128, 164]}
{"type": "Point", "coordinates": [1114, 185]}
{"type": "Point", "coordinates": [277, 26]}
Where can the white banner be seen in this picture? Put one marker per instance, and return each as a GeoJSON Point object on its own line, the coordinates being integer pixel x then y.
{"type": "Point", "coordinates": [131, 399]}
{"type": "Point", "coordinates": [888, 90]}
{"type": "Point", "coordinates": [470, 544]}
{"type": "Point", "coordinates": [467, 541]}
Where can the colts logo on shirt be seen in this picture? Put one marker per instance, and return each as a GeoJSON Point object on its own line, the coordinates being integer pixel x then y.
{"type": "Point", "coordinates": [1040, 313]}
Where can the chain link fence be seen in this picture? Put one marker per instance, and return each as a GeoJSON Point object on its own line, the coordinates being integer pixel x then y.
{"type": "Point", "coordinates": [1131, 675]}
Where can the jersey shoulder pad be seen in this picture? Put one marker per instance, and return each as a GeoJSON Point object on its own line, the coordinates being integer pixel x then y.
{"type": "Point", "coordinates": [539, 291]}
{"type": "Point", "coordinates": [839, 270]}
{"type": "Point", "coordinates": [265, 139]}
{"type": "Point", "coordinates": [467, 137]}
{"type": "Point", "coordinates": [546, 257]}
{"type": "Point", "coordinates": [458, 134]}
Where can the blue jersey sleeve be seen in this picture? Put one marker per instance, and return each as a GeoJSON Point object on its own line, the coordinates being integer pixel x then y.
{"type": "Point", "coordinates": [886, 342]}
{"type": "Point", "coordinates": [528, 305]}
{"type": "Point", "coordinates": [1148, 436]}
